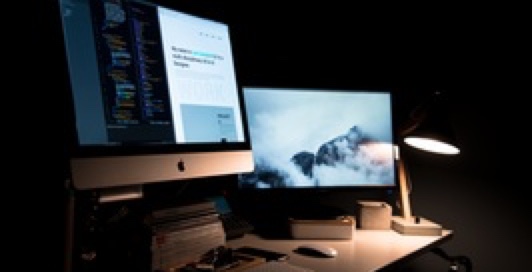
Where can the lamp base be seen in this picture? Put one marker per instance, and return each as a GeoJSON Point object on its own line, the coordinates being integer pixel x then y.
{"type": "Point", "coordinates": [416, 226]}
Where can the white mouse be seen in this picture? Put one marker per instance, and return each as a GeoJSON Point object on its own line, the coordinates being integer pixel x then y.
{"type": "Point", "coordinates": [317, 250]}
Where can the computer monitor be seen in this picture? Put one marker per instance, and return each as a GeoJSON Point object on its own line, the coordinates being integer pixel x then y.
{"type": "Point", "coordinates": [311, 138]}
{"type": "Point", "coordinates": [154, 94]}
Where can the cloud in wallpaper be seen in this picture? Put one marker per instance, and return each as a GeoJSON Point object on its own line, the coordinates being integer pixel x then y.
{"type": "Point", "coordinates": [319, 138]}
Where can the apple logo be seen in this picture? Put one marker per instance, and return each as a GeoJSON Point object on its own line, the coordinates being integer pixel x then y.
{"type": "Point", "coordinates": [181, 165]}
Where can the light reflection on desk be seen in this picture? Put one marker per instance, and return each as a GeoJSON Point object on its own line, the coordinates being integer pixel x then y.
{"type": "Point", "coordinates": [368, 250]}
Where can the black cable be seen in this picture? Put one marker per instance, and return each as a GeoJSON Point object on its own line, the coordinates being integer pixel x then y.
{"type": "Point", "coordinates": [455, 261]}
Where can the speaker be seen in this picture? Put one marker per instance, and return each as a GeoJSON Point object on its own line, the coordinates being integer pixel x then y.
{"type": "Point", "coordinates": [374, 215]}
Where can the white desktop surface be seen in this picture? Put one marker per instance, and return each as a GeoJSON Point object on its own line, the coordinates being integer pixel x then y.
{"type": "Point", "coordinates": [368, 250]}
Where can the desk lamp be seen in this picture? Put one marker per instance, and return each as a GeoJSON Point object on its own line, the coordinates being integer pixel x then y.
{"type": "Point", "coordinates": [427, 129]}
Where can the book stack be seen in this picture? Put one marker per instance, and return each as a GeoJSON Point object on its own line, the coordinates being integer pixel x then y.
{"type": "Point", "coordinates": [182, 234]}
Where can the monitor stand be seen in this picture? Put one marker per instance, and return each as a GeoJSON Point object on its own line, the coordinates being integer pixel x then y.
{"type": "Point", "coordinates": [120, 193]}
{"type": "Point", "coordinates": [316, 211]}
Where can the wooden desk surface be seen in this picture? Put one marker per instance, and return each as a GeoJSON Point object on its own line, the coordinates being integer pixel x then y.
{"type": "Point", "coordinates": [368, 250]}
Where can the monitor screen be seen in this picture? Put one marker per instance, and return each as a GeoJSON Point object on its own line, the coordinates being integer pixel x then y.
{"type": "Point", "coordinates": [319, 138]}
{"type": "Point", "coordinates": [154, 94]}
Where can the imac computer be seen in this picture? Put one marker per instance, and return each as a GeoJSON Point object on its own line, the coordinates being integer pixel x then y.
{"type": "Point", "coordinates": [154, 94]}
{"type": "Point", "coordinates": [309, 138]}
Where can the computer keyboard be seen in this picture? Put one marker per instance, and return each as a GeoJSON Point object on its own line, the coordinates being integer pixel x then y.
{"type": "Point", "coordinates": [234, 225]}
{"type": "Point", "coordinates": [274, 266]}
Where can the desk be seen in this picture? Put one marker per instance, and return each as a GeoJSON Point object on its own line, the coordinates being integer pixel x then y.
{"type": "Point", "coordinates": [368, 250]}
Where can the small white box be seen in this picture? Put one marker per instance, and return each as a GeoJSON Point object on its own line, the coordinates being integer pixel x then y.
{"type": "Point", "coordinates": [341, 227]}
{"type": "Point", "coordinates": [412, 227]}
{"type": "Point", "coordinates": [374, 215]}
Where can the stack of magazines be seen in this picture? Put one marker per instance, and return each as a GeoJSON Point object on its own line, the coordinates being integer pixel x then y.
{"type": "Point", "coordinates": [182, 234]}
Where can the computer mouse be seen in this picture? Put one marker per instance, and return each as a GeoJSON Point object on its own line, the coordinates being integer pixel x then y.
{"type": "Point", "coordinates": [316, 250]}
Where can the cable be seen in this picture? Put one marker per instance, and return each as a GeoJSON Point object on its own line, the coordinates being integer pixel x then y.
{"type": "Point", "coordinates": [455, 261]}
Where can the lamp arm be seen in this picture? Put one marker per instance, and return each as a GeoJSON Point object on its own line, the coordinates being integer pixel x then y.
{"type": "Point", "coordinates": [405, 223]}
{"type": "Point", "coordinates": [406, 211]}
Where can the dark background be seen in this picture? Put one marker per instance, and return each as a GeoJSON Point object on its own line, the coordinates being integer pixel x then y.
{"type": "Point", "coordinates": [460, 51]}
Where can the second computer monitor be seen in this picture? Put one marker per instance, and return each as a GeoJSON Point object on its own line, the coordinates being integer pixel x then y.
{"type": "Point", "coordinates": [319, 138]}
